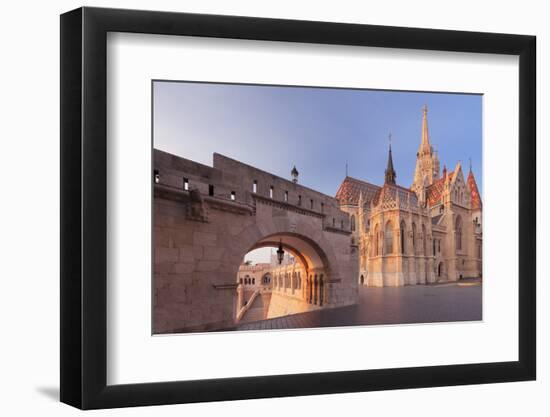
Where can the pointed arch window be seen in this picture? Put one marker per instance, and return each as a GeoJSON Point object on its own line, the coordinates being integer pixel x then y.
{"type": "Point", "coordinates": [414, 238]}
{"type": "Point", "coordinates": [376, 245]}
{"type": "Point", "coordinates": [352, 223]}
{"type": "Point", "coordinates": [424, 240]}
{"type": "Point", "coordinates": [458, 233]}
{"type": "Point", "coordinates": [388, 238]}
{"type": "Point", "coordinates": [402, 237]}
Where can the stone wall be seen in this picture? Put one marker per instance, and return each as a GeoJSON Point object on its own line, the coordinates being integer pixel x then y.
{"type": "Point", "coordinates": [282, 305]}
{"type": "Point", "coordinates": [207, 218]}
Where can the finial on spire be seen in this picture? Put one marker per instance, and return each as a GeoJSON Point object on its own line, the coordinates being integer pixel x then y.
{"type": "Point", "coordinates": [470, 160]}
{"type": "Point", "coordinates": [346, 168]}
{"type": "Point", "coordinates": [425, 109]}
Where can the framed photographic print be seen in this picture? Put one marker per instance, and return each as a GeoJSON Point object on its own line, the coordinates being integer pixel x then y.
{"type": "Point", "coordinates": [257, 208]}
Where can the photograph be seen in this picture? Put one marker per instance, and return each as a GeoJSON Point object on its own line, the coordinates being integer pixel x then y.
{"type": "Point", "coordinates": [296, 207]}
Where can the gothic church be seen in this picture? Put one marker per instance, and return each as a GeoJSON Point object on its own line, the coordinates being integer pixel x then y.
{"type": "Point", "coordinates": [429, 232]}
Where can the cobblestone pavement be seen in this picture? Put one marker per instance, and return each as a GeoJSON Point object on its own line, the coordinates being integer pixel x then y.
{"type": "Point", "coordinates": [457, 301]}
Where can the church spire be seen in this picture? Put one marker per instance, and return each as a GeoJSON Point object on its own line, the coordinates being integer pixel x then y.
{"type": "Point", "coordinates": [425, 142]}
{"type": "Point", "coordinates": [427, 161]}
{"type": "Point", "coordinates": [390, 172]}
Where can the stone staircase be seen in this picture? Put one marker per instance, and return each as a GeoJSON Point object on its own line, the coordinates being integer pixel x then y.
{"type": "Point", "coordinates": [257, 309]}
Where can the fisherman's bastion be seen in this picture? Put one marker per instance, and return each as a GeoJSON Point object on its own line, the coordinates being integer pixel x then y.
{"type": "Point", "coordinates": [325, 248]}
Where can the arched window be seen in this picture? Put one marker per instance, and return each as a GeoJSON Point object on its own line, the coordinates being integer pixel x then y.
{"type": "Point", "coordinates": [402, 237]}
{"type": "Point", "coordinates": [424, 239]}
{"type": "Point", "coordinates": [388, 238]}
{"type": "Point", "coordinates": [352, 223]}
{"type": "Point", "coordinates": [414, 238]}
{"type": "Point", "coordinates": [376, 245]}
{"type": "Point", "coordinates": [458, 232]}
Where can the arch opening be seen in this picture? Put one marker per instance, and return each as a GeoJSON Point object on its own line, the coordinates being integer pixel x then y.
{"type": "Point", "coordinates": [292, 274]}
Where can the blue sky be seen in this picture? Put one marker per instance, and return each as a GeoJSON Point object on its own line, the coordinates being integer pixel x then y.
{"type": "Point", "coordinates": [319, 130]}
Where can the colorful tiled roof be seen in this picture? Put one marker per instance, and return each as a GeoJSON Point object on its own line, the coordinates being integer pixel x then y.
{"type": "Point", "coordinates": [476, 198]}
{"type": "Point", "coordinates": [434, 191]}
{"type": "Point", "coordinates": [351, 188]}
{"type": "Point", "coordinates": [389, 192]}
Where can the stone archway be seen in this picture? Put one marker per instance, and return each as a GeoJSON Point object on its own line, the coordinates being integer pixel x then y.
{"type": "Point", "coordinates": [266, 279]}
{"type": "Point", "coordinates": [200, 292]}
{"type": "Point", "coordinates": [201, 234]}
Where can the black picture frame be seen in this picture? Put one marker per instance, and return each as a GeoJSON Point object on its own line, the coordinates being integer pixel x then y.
{"type": "Point", "coordinates": [84, 207]}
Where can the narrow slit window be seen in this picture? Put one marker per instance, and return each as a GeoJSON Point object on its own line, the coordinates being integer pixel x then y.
{"type": "Point", "coordinates": [311, 204]}
{"type": "Point", "coordinates": [211, 190]}
{"type": "Point", "coordinates": [271, 191]}
{"type": "Point", "coordinates": [255, 186]}
{"type": "Point", "coordinates": [286, 196]}
{"type": "Point", "coordinates": [233, 195]}
{"type": "Point", "coordinates": [186, 184]}
{"type": "Point", "coordinates": [322, 207]}
{"type": "Point", "coordinates": [156, 176]}
{"type": "Point", "coordinates": [299, 200]}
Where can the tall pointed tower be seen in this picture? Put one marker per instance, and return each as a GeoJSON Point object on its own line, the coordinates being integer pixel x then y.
{"type": "Point", "coordinates": [427, 162]}
{"type": "Point", "coordinates": [390, 172]}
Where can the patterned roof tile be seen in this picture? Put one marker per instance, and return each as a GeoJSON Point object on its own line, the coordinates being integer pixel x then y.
{"type": "Point", "coordinates": [476, 198]}
{"type": "Point", "coordinates": [351, 188]}
{"type": "Point", "coordinates": [434, 191]}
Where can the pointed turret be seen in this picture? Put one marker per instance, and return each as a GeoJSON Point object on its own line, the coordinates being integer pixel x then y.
{"type": "Point", "coordinates": [425, 147]}
{"type": "Point", "coordinates": [474, 191]}
{"type": "Point", "coordinates": [427, 161]}
{"type": "Point", "coordinates": [390, 172]}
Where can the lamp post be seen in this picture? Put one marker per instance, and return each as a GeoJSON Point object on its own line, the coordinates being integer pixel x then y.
{"type": "Point", "coordinates": [280, 252]}
{"type": "Point", "coordinates": [294, 173]}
